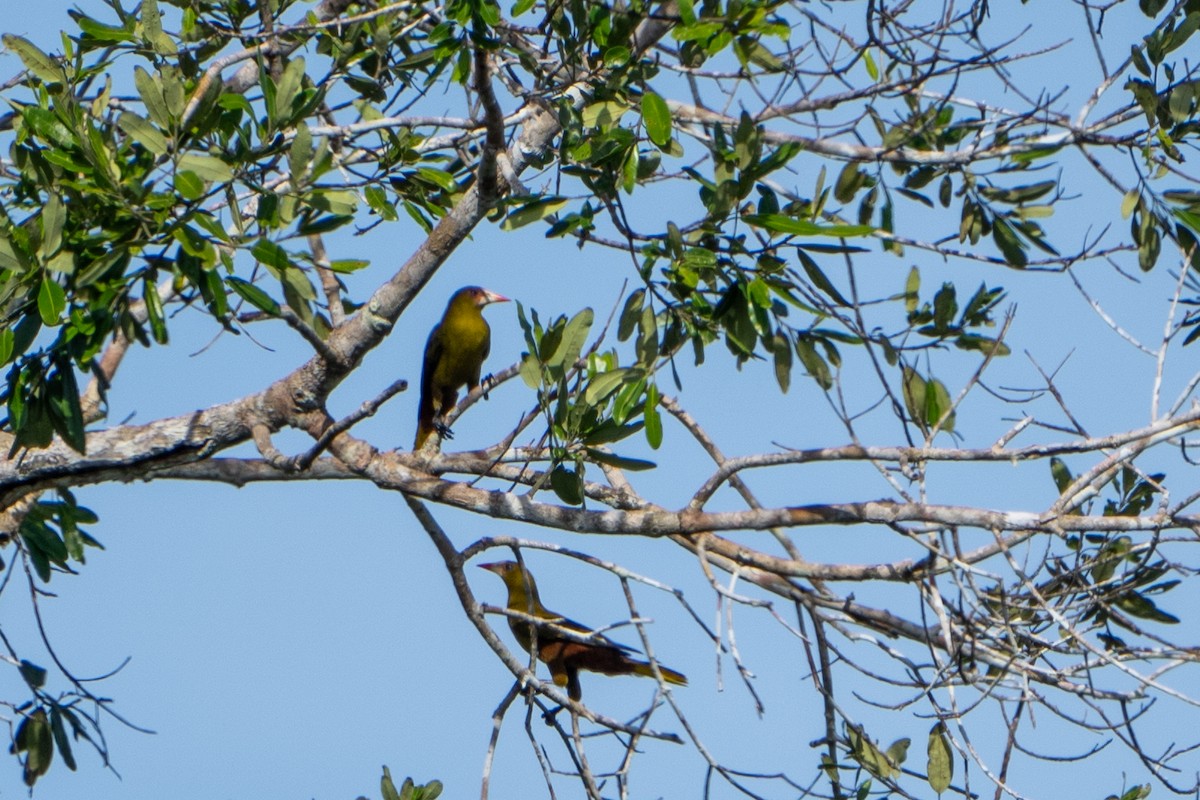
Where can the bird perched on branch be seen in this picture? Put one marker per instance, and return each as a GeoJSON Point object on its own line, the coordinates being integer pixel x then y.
{"type": "Point", "coordinates": [454, 358]}
{"type": "Point", "coordinates": [564, 645]}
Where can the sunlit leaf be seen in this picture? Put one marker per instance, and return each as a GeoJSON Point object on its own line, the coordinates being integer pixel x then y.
{"type": "Point", "coordinates": [657, 117]}
{"type": "Point", "coordinates": [781, 223]}
{"type": "Point", "coordinates": [940, 765]}
{"type": "Point", "coordinates": [254, 295]}
{"type": "Point", "coordinates": [654, 427]}
{"type": "Point", "coordinates": [51, 301]}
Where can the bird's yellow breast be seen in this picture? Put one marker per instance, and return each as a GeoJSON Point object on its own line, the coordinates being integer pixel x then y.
{"type": "Point", "coordinates": [466, 339]}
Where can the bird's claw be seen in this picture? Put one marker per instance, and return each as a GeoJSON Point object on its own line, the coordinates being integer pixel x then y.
{"type": "Point", "coordinates": [548, 716]}
{"type": "Point", "coordinates": [487, 383]}
{"type": "Point", "coordinates": [443, 430]}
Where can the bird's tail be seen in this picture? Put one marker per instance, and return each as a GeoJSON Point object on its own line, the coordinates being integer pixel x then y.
{"type": "Point", "coordinates": [424, 429]}
{"type": "Point", "coordinates": [425, 417]}
{"type": "Point", "coordinates": [669, 675]}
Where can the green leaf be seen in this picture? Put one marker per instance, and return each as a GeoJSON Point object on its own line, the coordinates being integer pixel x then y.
{"type": "Point", "coordinates": [819, 279]}
{"type": "Point", "coordinates": [271, 255]}
{"type": "Point", "coordinates": [209, 168]}
{"type": "Point", "coordinates": [567, 485]}
{"type": "Point", "coordinates": [604, 384]}
{"type": "Point", "coordinates": [914, 387]}
{"type": "Point", "coordinates": [284, 106]}
{"type": "Point", "coordinates": [630, 314]}
{"type": "Point", "coordinates": [610, 431]}
{"type": "Point", "coordinates": [940, 766]}
{"type": "Point", "coordinates": [34, 675]}
{"type": "Point", "coordinates": [621, 462]}
{"type": "Point", "coordinates": [937, 403]}
{"type": "Point", "coordinates": [386, 787]}
{"type": "Point", "coordinates": [102, 32]}
{"type": "Point", "coordinates": [154, 310]}
{"type": "Point", "coordinates": [7, 339]}
{"type": "Point", "coordinates": [60, 737]}
{"type": "Point", "coordinates": [531, 371]}
{"type": "Point", "coordinates": [188, 185]}
{"type": "Point", "coordinates": [782, 223]}
{"type": "Point", "coordinates": [1188, 218]}
{"type": "Point", "coordinates": [1139, 605]}
{"type": "Point", "coordinates": [9, 258]}
{"type": "Point", "coordinates": [51, 301]}
{"type": "Point", "coordinates": [657, 117]}
{"type": "Point", "coordinates": [296, 283]}
{"type": "Point", "coordinates": [1009, 245]}
{"type": "Point", "coordinates": [982, 344]}
{"type": "Point", "coordinates": [300, 154]}
{"type": "Point", "coordinates": [24, 332]}
{"type": "Point", "coordinates": [654, 427]}
{"type": "Point", "coordinates": [34, 59]}
{"type": "Point", "coordinates": [813, 363]}
{"type": "Point", "coordinates": [604, 114]}
{"type": "Point", "coordinates": [35, 739]}
{"type": "Point", "coordinates": [630, 397]}
{"type": "Point", "coordinates": [753, 50]}
{"type": "Point", "coordinates": [869, 63]}
{"type": "Point", "coordinates": [866, 753]}
{"type": "Point", "coordinates": [152, 26]}
{"type": "Point", "coordinates": [781, 349]}
{"type": "Point", "coordinates": [254, 295]}
{"type": "Point", "coordinates": [377, 200]}
{"type": "Point", "coordinates": [66, 414]}
{"type": "Point", "coordinates": [548, 345]}
{"type": "Point", "coordinates": [945, 306]}
{"type": "Point", "coordinates": [149, 88]}
{"type": "Point", "coordinates": [945, 190]}
{"type": "Point", "coordinates": [53, 217]}
{"type": "Point", "coordinates": [617, 56]}
{"type": "Point", "coordinates": [1018, 194]}
{"type": "Point", "coordinates": [312, 226]}
{"type": "Point", "coordinates": [532, 212]}
{"type": "Point", "coordinates": [574, 337]}
{"type": "Point", "coordinates": [912, 290]}
{"type": "Point", "coordinates": [192, 242]}
{"type": "Point", "coordinates": [629, 170]}
{"type": "Point", "coordinates": [344, 266]}
{"type": "Point", "coordinates": [647, 342]}
{"type": "Point", "coordinates": [849, 181]}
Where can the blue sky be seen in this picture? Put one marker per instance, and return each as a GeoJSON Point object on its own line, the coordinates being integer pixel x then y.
{"type": "Point", "coordinates": [285, 641]}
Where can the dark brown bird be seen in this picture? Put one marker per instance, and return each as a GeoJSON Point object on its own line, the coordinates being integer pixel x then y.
{"type": "Point", "coordinates": [564, 654]}
{"type": "Point", "coordinates": [454, 358]}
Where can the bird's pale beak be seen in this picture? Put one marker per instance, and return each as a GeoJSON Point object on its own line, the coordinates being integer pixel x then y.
{"type": "Point", "coordinates": [495, 567]}
{"type": "Point", "coordinates": [492, 297]}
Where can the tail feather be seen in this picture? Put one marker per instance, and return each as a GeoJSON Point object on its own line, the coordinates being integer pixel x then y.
{"type": "Point", "coordinates": [424, 430]}
{"type": "Point", "coordinates": [426, 415]}
{"type": "Point", "coordinates": [669, 675]}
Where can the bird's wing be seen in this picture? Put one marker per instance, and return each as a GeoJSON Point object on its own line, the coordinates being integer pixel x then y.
{"type": "Point", "coordinates": [433, 354]}
{"type": "Point", "coordinates": [586, 634]}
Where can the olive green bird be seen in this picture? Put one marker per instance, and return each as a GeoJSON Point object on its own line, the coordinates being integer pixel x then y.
{"type": "Point", "coordinates": [454, 358]}
{"type": "Point", "coordinates": [564, 654]}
